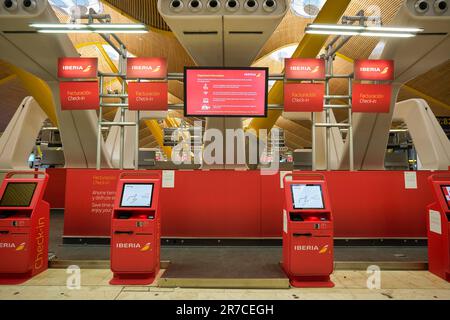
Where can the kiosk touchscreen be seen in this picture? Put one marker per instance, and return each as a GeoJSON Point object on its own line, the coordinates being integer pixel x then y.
{"type": "Point", "coordinates": [135, 230]}
{"type": "Point", "coordinates": [18, 194]}
{"type": "Point", "coordinates": [307, 231]}
{"type": "Point", "coordinates": [446, 192]}
{"type": "Point", "coordinates": [438, 227]}
{"type": "Point", "coordinates": [24, 226]}
{"type": "Point", "coordinates": [137, 195]}
{"type": "Point", "coordinates": [307, 196]}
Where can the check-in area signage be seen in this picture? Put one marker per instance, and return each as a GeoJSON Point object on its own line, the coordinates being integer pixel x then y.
{"type": "Point", "coordinates": [303, 97]}
{"type": "Point", "coordinates": [375, 70]}
{"type": "Point", "coordinates": [308, 69]}
{"type": "Point", "coordinates": [79, 95]}
{"type": "Point", "coordinates": [147, 68]}
{"type": "Point", "coordinates": [150, 96]}
{"type": "Point", "coordinates": [371, 97]}
{"type": "Point", "coordinates": [77, 68]}
{"type": "Point", "coordinates": [212, 92]}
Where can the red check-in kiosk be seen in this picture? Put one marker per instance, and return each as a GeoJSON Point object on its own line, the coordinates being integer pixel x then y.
{"type": "Point", "coordinates": [307, 231]}
{"type": "Point", "coordinates": [136, 229]}
{"type": "Point", "coordinates": [24, 226]}
{"type": "Point", "coordinates": [438, 227]}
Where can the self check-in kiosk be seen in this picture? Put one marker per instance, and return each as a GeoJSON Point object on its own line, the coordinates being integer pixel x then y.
{"type": "Point", "coordinates": [136, 229]}
{"type": "Point", "coordinates": [307, 231]}
{"type": "Point", "coordinates": [438, 227]}
{"type": "Point", "coordinates": [24, 226]}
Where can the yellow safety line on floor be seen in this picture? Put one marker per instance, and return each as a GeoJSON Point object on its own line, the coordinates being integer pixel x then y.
{"type": "Point", "coordinates": [309, 47]}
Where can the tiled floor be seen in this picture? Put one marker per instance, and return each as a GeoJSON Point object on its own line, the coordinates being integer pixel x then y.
{"type": "Point", "coordinates": [349, 285]}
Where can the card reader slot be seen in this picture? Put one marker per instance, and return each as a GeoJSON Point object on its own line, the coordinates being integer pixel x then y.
{"type": "Point", "coordinates": [306, 234]}
{"type": "Point", "coordinates": [123, 232]}
{"type": "Point", "coordinates": [144, 234]}
{"type": "Point", "coordinates": [4, 231]}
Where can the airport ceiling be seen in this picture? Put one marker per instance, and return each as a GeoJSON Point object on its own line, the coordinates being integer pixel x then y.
{"type": "Point", "coordinates": [431, 86]}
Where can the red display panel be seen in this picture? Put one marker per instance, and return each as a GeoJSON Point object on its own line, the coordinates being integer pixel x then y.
{"type": "Point", "coordinates": [77, 68]}
{"type": "Point", "coordinates": [371, 98]}
{"type": "Point", "coordinates": [147, 68]}
{"type": "Point", "coordinates": [75, 95]}
{"type": "Point", "coordinates": [303, 97]}
{"type": "Point", "coordinates": [147, 96]}
{"type": "Point", "coordinates": [238, 92]}
{"type": "Point", "coordinates": [313, 69]}
{"type": "Point", "coordinates": [376, 70]}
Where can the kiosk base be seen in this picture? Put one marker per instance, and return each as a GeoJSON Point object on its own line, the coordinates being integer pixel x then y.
{"type": "Point", "coordinates": [132, 279]}
{"type": "Point", "coordinates": [311, 282]}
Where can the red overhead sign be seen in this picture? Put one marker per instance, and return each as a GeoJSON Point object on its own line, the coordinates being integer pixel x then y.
{"type": "Point", "coordinates": [313, 69]}
{"type": "Point", "coordinates": [225, 92]}
{"type": "Point", "coordinates": [303, 97]}
{"type": "Point", "coordinates": [371, 97]}
{"type": "Point", "coordinates": [376, 70]}
{"type": "Point", "coordinates": [147, 96]}
{"type": "Point", "coordinates": [77, 68]}
{"type": "Point", "coordinates": [76, 95]}
{"type": "Point", "coordinates": [147, 68]}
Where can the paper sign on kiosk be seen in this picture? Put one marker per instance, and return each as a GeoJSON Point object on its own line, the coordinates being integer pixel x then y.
{"type": "Point", "coordinates": [435, 221]}
{"type": "Point", "coordinates": [168, 178]}
{"type": "Point", "coordinates": [306, 196]}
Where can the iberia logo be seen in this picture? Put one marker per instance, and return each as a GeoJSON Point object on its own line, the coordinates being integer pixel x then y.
{"type": "Point", "coordinates": [157, 68]}
{"type": "Point", "coordinates": [385, 70]}
{"type": "Point", "coordinates": [88, 68]}
{"type": "Point", "coordinates": [324, 249]}
{"type": "Point", "coordinates": [316, 68]}
{"type": "Point", "coordinates": [146, 247]}
{"type": "Point", "coordinates": [20, 247]}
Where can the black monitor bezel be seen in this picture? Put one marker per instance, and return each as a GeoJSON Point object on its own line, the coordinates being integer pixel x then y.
{"type": "Point", "coordinates": [443, 194]}
{"type": "Point", "coordinates": [307, 184]}
{"type": "Point", "coordinates": [136, 183]}
{"type": "Point", "coordinates": [15, 183]}
{"type": "Point", "coordinates": [185, 108]}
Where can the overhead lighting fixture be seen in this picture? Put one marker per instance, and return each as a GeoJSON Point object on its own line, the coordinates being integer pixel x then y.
{"type": "Point", "coordinates": [355, 30]}
{"type": "Point", "coordinates": [89, 28]}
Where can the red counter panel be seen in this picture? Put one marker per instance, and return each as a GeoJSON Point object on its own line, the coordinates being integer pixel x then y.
{"type": "Point", "coordinates": [221, 203]}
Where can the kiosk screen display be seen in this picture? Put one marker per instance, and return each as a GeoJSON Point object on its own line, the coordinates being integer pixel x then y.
{"type": "Point", "coordinates": [307, 196]}
{"type": "Point", "coordinates": [18, 194]}
{"type": "Point", "coordinates": [137, 195]}
{"type": "Point", "coordinates": [446, 191]}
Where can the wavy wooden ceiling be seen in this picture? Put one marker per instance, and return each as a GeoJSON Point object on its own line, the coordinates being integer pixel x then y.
{"type": "Point", "coordinates": [161, 42]}
{"type": "Point", "coordinates": [145, 11]}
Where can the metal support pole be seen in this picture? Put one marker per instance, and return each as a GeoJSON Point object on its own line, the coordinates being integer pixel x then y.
{"type": "Point", "coordinates": [136, 151]}
{"type": "Point", "coordinates": [328, 63]}
{"type": "Point", "coordinates": [99, 128]}
{"type": "Point", "coordinates": [313, 141]}
{"type": "Point", "coordinates": [122, 110]}
{"type": "Point", "coordinates": [350, 124]}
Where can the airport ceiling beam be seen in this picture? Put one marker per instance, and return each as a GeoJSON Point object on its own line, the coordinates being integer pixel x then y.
{"type": "Point", "coordinates": [143, 11]}
{"type": "Point", "coordinates": [309, 47]}
{"type": "Point", "coordinates": [38, 89]}
{"type": "Point", "coordinates": [158, 134]}
{"type": "Point", "coordinates": [7, 79]}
